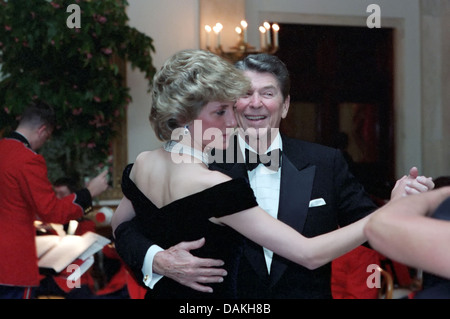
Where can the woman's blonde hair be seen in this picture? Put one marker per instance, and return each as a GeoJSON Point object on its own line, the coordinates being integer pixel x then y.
{"type": "Point", "coordinates": [188, 81]}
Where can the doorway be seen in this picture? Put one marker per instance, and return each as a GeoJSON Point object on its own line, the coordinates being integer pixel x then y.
{"type": "Point", "coordinates": [342, 87]}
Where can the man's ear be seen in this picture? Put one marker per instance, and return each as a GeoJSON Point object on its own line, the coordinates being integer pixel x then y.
{"type": "Point", "coordinates": [286, 107]}
{"type": "Point", "coordinates": [42, 130]}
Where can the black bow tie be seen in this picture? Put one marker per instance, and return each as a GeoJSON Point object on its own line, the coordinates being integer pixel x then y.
{"type": "Point", "coordinates": [271, 160]}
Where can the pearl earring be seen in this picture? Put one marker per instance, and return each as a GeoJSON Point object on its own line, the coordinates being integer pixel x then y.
{"type": "Point", "coordinates": [186, 130]}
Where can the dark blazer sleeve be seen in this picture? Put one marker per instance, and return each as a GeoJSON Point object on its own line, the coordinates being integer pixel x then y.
{"type": "Point", "coordinates": [132, 245]}
{"type": "Point", "coordinates": [353, 201]}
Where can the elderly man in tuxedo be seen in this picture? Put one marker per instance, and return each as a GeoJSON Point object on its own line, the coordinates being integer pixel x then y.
{"type": "Point", "coordinates": [311, 190]}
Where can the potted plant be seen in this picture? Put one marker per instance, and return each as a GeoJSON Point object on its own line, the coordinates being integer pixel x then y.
{"type": "Point", "coordinates": [76, 69]}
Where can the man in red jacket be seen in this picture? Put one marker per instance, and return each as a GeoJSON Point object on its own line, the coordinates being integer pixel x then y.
{"type": "Point", "coordinates": [26, 194]}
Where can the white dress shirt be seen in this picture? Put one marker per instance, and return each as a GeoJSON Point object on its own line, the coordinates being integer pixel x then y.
{"type": "Point", "coordinates": [266, 186]}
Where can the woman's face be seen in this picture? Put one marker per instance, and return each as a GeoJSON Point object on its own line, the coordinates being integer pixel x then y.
{"type": "Point", "coordinates": [214, 125]}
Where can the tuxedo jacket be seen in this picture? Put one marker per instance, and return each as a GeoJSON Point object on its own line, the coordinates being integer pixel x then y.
{"type": "Point", "coordinates": [26, 195]}
{"type": "Point", "coordinates": [309, 172]}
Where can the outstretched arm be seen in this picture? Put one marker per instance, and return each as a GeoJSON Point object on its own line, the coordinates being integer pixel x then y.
{"type": "Point", "coordinates": [316, 251]}
{"type": "Point", "coordinates": [260, 227]}
{"type": "Point", "coordinates": [403, 230]}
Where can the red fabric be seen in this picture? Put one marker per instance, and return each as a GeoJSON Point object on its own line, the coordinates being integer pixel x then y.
{"type": "Point", "coordinates": [134, 289]}
{"type": "Point", "coordinates": [62, 283]}
{"type": "Point", "coordinates": [400, 272]}
{"type": "Point", "coordinates": [26, 194]}
{"type": "Point", "coordinates": [117, 282]}
{"type": "Point", "coordinates": [61, 279]}
{"type": "Point", "coordinates": [27, 293]}
{"type": "Point", "coordinates": [84, 226]}
{"type": "Point", "coordinates": [349, 274]}
{"type": "Point", "coordinates": [110, 252]}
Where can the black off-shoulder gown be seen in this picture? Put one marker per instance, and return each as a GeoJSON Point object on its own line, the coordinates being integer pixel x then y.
{"type": "Point", "coordinates": [187, 219]}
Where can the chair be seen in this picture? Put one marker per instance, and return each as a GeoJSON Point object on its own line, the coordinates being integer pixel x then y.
{"type": "Point", "coordinates": [386, 290]}
{"type": "Point", "coordinates": [389, 290]}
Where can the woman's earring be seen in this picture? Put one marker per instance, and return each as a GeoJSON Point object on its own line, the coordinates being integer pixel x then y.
{"type": "Point", "coordinates": [186, 130]}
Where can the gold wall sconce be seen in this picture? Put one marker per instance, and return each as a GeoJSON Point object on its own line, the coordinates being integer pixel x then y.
{"type": "Point", "coordinates": [268, 40]}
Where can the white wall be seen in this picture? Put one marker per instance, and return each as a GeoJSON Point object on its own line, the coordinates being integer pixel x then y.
{"type": "Point", "coordinates": [173, 26]}
{"type": "Point", "coordinates": [435, 86]}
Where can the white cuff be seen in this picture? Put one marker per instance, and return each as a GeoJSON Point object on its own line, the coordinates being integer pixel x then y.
{"type": "Point", "coordinates": [150, 278]}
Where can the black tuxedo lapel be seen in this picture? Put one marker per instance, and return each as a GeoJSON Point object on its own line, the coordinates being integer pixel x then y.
{"type": "Point", "coordinates": [295, 194]}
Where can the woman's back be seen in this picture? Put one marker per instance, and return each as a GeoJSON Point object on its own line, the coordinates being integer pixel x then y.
{"type": "Point", "coordinates": [164, 178]}
{"type": "Point", "coordinates": [176, 204]}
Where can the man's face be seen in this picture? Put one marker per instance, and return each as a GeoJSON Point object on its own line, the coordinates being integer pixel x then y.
{"type": "Point", "coordinates": [62, 191]}
{"type": "Point", "coordinates": [263, 107]}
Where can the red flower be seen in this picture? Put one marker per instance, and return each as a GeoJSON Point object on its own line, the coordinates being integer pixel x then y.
{"type": "Point", "coordinates": [77, 111]}
{"type": "Point", "coordinates": [101, 19]}
{"type": "Point", "coordinates": [107, 51]}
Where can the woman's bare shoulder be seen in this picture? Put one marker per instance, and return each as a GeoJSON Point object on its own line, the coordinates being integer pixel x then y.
{"type": "Point", "coordinates": [145, 161]}
{"type": "Point", "coordinates": [145, 155]}
{"type": "Point", "coordinates": [197, 178]}
{"type": "Point", "coordinates": [212, 178]}
{"type": "Point", "coordinates": [183, 176]}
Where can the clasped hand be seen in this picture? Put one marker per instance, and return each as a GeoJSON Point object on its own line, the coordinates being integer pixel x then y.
{"type": "Point", "coordinates": [412, 184]}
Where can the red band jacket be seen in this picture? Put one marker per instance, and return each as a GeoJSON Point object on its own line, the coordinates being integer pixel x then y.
{"type": "Point", "coordinates": [26, 195]}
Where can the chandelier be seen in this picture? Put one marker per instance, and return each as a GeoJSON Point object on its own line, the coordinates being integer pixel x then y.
{"type": "Point", "coordinates": [268, 41]}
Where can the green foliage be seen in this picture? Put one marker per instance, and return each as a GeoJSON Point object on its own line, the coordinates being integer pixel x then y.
{"type": "Point", "coordinates": [74, 69]}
